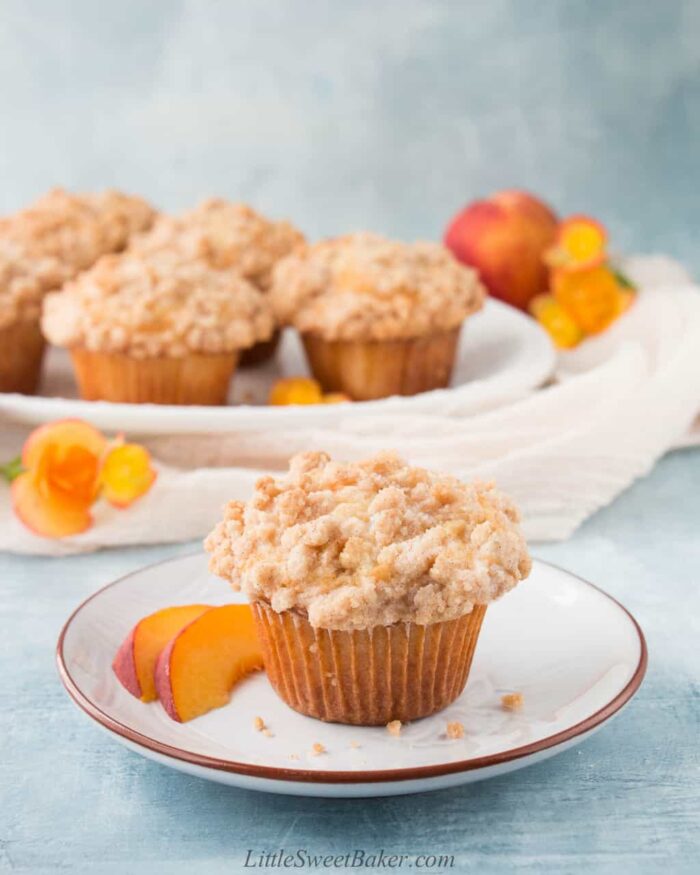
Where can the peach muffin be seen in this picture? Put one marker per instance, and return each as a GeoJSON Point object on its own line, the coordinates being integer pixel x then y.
{"type": "Point", "coordinates": [24, 280]}
{"type": "Point", "coordinates": [377, 317]}
{"type": "Point", "coordinates": [228, 235]}
{"type": "Point", "coordinates": [156, 328]}
{"type": "Point", "coordinates": [41, 247]}
{"type": "Point", "coordinates": [369, 582]}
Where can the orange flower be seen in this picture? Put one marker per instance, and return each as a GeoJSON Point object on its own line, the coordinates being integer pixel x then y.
{"type": "Point", "coordinates": [580, 244]}
{"type": "Point", "coordinates": [296, 390]}
{"type": "Point", "coordinates": [564, 332]}
{"type": "Point", "coordinates": [126, 474]}
{"type": "Point", "coordinates": [64, 467]}
{"type": "Point", "coordinates": [593, 298]}
{"type": "Point", "coordinates": [303, 390]}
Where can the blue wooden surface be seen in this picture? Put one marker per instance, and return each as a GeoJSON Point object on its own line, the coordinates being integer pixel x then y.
{"type": "Point", "coordinates": [626, 800]}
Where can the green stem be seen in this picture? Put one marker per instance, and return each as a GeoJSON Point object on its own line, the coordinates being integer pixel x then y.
{"type": "Point", "coordinates": [12, 469]}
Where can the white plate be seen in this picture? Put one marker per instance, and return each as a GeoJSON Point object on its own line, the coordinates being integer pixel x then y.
{"type": "Point", "coordinates": [574, 652]}
{"type": "Point", "coordinates": [502, 355]}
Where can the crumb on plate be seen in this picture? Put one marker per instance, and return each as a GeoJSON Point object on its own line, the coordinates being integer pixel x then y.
{"type": "Point", "coordinates": [317, 749]}
{"type": "Point", "coordinates": [259, 724]}
{"type": "Point", "coordinates": [394, 728]}
{"type": "Point", "coordinates": [455, 729]}
{"type": "Point", "coordinates": [512, 701]}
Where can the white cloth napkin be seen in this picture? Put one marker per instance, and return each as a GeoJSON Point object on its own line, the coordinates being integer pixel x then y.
{"type": "Point", "coordinates": [619, 402]}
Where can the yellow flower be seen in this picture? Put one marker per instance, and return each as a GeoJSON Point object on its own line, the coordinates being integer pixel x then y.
{"type": "Point", "coordinates": [64, 467]}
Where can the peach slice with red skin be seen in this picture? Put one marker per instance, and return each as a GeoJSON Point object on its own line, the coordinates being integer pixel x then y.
{"type": "Point", "coordinates": [198, 669]}
{"type": "Point", "coordinates": [135, 662]}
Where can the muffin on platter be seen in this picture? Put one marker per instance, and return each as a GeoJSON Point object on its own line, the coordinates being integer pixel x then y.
{"type": "Point", "coordinates": [76, 229]}
{"type": "Point", "coordinates": [156, 328]}
{"type": "Point", "coordinates": [228, 235]}
{"type": "Point", "coordinates": [43, 246]}
{"type": "Point", "coordinates": [369, 582]}
{"type": "Point", "coordinates": [24, 280]}
{"type": "Point", "coordinates": [377, 317]}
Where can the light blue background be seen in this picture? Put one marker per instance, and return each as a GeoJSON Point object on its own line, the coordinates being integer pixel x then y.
{"type": "Point", "coordinates": [386, 114]}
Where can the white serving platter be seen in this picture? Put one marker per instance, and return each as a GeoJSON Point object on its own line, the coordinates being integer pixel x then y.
{"type": "Point", "coordinates": [575, 654]}
{"type": "Point", "coordinates": [503, 354]}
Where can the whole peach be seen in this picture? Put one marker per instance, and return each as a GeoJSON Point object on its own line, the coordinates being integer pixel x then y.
{"type": "Point", "coordinates": [504, 237]}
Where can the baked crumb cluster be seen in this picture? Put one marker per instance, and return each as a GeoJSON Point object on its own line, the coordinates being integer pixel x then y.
{"type": "Point", "coordinates": [48, 243]}
{"type": "Point", "coordinates": [225, 235]}
{"type": "Point", "coordinates": [77, 229]}
{"type": "Point", "coordinates": [362, 544]}
{"type": "Point", "coordinates": [24, 280]}
{"type": "Point", "coordinates": [156, 306]}
{"type": "Point", "coordinates": [365, 287]}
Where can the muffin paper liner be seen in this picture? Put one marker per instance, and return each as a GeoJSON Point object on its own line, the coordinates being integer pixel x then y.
{"type": "Point", "coordinates": [260, 352]}
{"type": "Point", "coordinates": [370, 676]}
{"type": "Point", "coordinates": [192, 379]}
{"type": "Point", "coordinates": [366, 370]}
{"type": "Point", "coordinates": [21, 355]}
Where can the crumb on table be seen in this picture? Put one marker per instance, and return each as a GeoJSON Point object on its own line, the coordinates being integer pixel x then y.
{"type": "Point", "coordinates": [455, 729]}
{"type": "Point", "coordinates": [512, 701]}
{"type": "Point", "coordinates": [394, 728]}
{"type": "Point", "coordinates": [317, 749]}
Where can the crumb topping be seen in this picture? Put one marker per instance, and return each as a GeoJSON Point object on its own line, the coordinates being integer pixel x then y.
{"type": "Point", "coordinates": [225, 235]}
{"type": "Point", "coordinates": [24, 280]}
{"type": "Point", "coordinates": [48, 243]}
{"type": "Point", "coordinates": [455, 730]}
{"type": "Point", "coordinates": [363, 544]}
{"type": "Point", "coordinates": [366, 287]}
{"type": "Point", "coordinates": [157, 306]}
{"type": "Point", "coordinates": [394, 728]}
{"type": "Point", "coordinates": [77, 229]}
{"type": "Point", "coordinates": [512, 701]}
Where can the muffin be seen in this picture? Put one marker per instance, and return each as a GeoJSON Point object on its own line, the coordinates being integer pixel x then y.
{"type": "Point", "coordinates": [24, 279]}
{"type": "Point", "coordinates": [156, 328]}
{"type": "Point", "coordinates": [41, 247]}
{"type": "Point", "coordinates": [377, 317]}
{"type": "Point", "coordinates": [228, 235]}
{"type": "Point", "coordinates": [369, 582]}
{"type": "Point", "coordinates": [76, 229]}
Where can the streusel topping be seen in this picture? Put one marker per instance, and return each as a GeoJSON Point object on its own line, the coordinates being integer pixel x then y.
{"type": "Point", "coordinates": [157, 306]}
{"type": "Point", "coordinates": [48, 243]}
{"type": "Point", "coordinates": [77, 229]}
{"type": "Point", "coordinates": [24, 279]}
{"type": "Point", "coordinates": [364, 287]}
{"type": "Point", "coordinates": [363, 544]}
{"type": "Point", "coordinates": [225, 235]}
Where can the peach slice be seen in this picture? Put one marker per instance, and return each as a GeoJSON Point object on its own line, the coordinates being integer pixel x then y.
{"type": "Point", "coordinates": [199, 667]}
{"type": "Point", "coordinates": [135, 662]}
